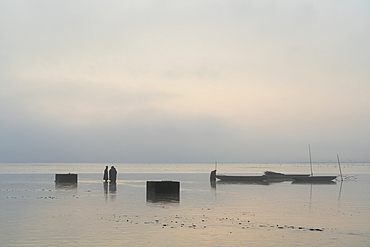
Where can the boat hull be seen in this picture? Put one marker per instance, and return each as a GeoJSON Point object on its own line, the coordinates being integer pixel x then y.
{"type": "Point", "coordinates": [277, 175]}
{"type": "Point", "coordinates": [241, 178]}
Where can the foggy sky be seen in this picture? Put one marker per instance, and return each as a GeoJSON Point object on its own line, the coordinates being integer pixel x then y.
{"type": "Point", "coordinates": [184, 81]}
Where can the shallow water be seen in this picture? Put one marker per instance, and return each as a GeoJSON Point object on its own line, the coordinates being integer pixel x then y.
{"type": "Point", "coordinates": [37, 212]}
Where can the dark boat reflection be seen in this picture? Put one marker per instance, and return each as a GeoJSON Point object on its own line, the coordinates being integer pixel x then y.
{"type": "Point", "coordinates": [315, 182]}
{"type": "Point", "coordinates": [276, 180]}
{"type": "Point", "coordinates": [213, 184]}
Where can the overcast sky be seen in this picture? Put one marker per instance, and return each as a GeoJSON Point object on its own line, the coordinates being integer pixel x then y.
{"type": "Point", "coordinates": [184, 81]}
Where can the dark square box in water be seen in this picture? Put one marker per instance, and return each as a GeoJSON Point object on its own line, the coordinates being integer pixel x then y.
{"type": "Point", "coordinates": [66, 178]}
{"type": "Point", "coordinates": [163, 187]}
{"type": "Point", "coordinates": [163, 190]}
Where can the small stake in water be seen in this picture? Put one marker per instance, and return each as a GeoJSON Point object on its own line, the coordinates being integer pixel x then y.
{"type": "Point", "coordinates": [340, 169]}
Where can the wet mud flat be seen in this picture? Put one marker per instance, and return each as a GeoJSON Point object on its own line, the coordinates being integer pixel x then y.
{"type": "Point", "coordinates": [37, 212]}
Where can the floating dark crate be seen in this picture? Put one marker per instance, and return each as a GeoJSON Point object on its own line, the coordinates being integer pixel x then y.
{"type": "Point", "coordinates": [66, 178]}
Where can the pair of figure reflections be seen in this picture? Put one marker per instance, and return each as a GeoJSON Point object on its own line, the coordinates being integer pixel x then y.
{"type": "Point", "coordinates": [112, 174]}
{"type": "Point", "coordinates": [110, 188]}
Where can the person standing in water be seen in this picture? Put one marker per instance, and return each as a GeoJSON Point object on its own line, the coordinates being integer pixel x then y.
{"type": "Point", "coordinates": [112, 174]}
{"type": "Point", "coordinates": [105, 176]}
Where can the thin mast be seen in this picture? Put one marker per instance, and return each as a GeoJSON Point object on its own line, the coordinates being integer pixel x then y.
{"type": "Point", "coordinates": [340, 169]}
{"type": "Point", "coordinates": [309, 151]}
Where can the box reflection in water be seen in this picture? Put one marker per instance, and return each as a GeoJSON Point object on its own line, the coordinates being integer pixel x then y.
{"type": "Point", "coordinates": [163, 191]}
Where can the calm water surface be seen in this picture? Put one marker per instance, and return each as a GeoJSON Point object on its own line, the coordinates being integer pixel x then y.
{"type": "Point", "coordinates": [34, 211]}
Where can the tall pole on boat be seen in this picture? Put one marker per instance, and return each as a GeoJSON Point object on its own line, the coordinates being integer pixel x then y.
{"type": "Point", "coordinates": [309, 151]}
{"type": "Point", "coordinates": [340, 169]}
{"type": "Point", "coordinates": [216, 165]}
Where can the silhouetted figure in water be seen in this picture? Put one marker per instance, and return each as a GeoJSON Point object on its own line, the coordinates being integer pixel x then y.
{"type": "Point", "coordinates": [105, 177]}
{"type": "Point", "coordinates": [112, 174]}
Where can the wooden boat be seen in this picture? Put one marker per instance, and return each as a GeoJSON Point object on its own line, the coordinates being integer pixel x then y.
{"type": "Point", "coordinates": [282, 176]}
{"type": "Point", "coordinates": [241, 178]}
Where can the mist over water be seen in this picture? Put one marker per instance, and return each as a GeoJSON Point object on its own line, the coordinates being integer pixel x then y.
{"type": "Point", "coordinates": [35, 211]}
